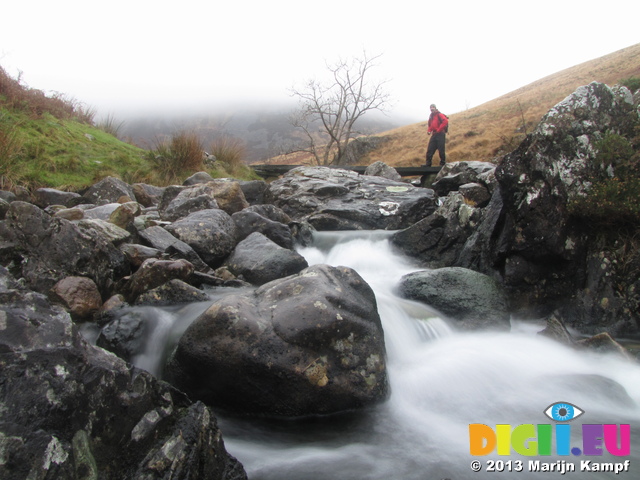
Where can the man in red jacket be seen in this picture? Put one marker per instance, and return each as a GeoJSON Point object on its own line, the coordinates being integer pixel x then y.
{"type": "Point", "coordinates": [437, 128]}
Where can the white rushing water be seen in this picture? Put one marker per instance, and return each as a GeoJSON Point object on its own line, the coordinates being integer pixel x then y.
{"type": "Point", "coordinates": [441, 381]}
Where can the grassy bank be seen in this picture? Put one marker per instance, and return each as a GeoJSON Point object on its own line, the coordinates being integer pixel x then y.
{"type": "Point", "coordinates": [52, 141]}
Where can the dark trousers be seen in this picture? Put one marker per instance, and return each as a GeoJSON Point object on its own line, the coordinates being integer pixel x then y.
{"type": "Point", "coordinates": [436, 143]}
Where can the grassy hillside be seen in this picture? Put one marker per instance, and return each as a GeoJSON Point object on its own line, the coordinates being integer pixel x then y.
{"type": "Point", "coordinates": [496, 127]}
{"type": "Point", "coordinates": [65, 153]}
{"type": "Point", "coordinates": [52, 141]}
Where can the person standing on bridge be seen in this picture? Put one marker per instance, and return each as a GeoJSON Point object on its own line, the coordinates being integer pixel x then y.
{"type": "Point", "coordinates": [437, 127]}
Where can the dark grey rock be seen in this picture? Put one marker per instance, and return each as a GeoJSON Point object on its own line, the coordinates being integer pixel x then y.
{"type": "Point", "coordinates": [44, 197]}
{"type": "Point", "coordinates": [455, 174]}
{"type": "Point", "coordinates": [4, 208]}
{"type": "Point", "coordinates": [153, 273]}
{"type": "Point", "coordinates": [71, 410]}
{"type": "Point", "coordinates": [271, 212]}
{"type": "Point", "coordinates": [188, 200]}
{"type": "Point", "coordinates": [335, 199]}
{"type": "Point", "coordinates": [381, 169]}
{"type": "Point", "coordinates": [546, 248]}
{"type": "Point", "coordinates": [211, 233]}
{"type": "Point", "coordinates": [307, 344]}
{"type": "Point", "coordinates": [439, 240]}
{"type": "Point", "coordinates": [7, 196]}
{"type": "Point", "coordinates": [248, 222]}
{"type": "Point", "coordinates": [198, 177]}
{"type": "Point", "coordinates": [147, 195]}
{"type": "Point", "coordinates": [259, 260]}
{"type": "Point", "coordinates": [108, 190]}
{"type": "Point", "coordinates": [174, 292]}
{"type": "Point", "coordinates": [160, 239]}
{"type": "Point", "coordinates": [136, 254]}
{"type": "Point", "coordinates": [126, 334]}
{"type": "Point", "coordinates": [53, 248]}
{"type": "Point", "coordinates": [254, 191]}
{"type": "Point", "coordinates": [475, 194]}
{"type": "Point", "coordinates": [473, 300]}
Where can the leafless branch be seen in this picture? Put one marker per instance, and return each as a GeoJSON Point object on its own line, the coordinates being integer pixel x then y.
{"type": "Point", "coordinates": [328, 112]}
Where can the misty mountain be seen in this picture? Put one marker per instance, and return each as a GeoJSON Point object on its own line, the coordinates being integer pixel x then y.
{"type": "Point", "coordinates": [264, 132]}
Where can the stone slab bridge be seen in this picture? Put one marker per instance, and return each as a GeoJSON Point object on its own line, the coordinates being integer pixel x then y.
{"type": "Point", "coordinates": [267, 171]}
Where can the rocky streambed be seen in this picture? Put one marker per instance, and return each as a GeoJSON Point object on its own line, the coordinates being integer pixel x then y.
{"type": "Point", "coordinates": [489, 243]}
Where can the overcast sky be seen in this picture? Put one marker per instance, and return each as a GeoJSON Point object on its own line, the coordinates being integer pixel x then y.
{"type": "Point", "coordinates": [132, 56]}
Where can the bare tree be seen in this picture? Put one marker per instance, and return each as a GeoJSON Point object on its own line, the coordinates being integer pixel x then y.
{"type": "Point", "coordinates": [328, 112]}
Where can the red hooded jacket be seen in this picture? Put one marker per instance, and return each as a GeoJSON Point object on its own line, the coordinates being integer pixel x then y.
{"type": "Point", "coordinates": [437, 122]}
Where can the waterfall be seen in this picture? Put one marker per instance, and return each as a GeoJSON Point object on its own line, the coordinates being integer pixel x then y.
{"type": "Point", "coordinates": [441, 381]}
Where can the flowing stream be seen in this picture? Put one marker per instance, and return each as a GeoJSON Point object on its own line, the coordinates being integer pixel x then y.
{"type": "Point", "coordinates": [441, 381]}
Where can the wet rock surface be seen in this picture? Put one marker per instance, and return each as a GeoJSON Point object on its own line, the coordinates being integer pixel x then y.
{"type": "Point", "coordinates": [63, 402]}
{"type": "Point", "coordinates": [335, 199]}
{"type": "Point", "coordinates": [307, 344]}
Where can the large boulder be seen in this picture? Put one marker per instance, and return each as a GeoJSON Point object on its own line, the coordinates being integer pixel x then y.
{"type": "Point", "coordinates": [53, 248]}
{"type": "Point", "coordinates": [472, 300]}
{"type": "Point", "coordinates": [307, 344]}
{"type": "Point", "coordinates": [336, 199]}
{"type": "Point", "coordinates": [260, 260]}
{"type": "Point", "coordinates": [381, 169]}
{"type": "Point", "coordinates": [160, 239]}
{"type": "Point", "coordinates": [438, 240]}
{"type": "Point", "coordinates": [179, 202]}
{"type": "Point", "coordinates": [248, 222]}
{"type": "Point", "coordinates": [455, 174]}
{"type": "Point", "coordinates": [254, 191]}
{"type": "Point", "coordinates": [71, 410]}
{"type": "Point", "coordinates": [109, 190]}
{"type": "Point", "coordinates": [154, 272]}
{"type": "Point", "coordinates": [44, 197]}
{"type": "Point", "coordinates": [211, 233]}
{"type": "Point", "coordinates": [229, 195]}
{"type": "Point", "coordinates": [546, 256]}
{"type": "Point", "coordinates": [147, 195]}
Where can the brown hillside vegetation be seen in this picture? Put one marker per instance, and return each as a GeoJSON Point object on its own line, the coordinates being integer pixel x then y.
{"type": "Point", "coordinates": [497, 127]}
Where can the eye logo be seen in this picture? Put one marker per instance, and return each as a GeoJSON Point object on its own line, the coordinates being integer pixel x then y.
{"type": "Point", "coordinates": [563, 412]}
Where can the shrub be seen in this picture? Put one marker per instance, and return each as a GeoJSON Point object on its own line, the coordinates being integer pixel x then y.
{"type": "Point", "coordinates": [228, 151]}
{"type": "Point", "coordinates": [110, 125]}
{"type": "Point", "coordinates": [14, 95]}
{"type": "Point", "coordinates": [632, 83]}
{"type": "Point", "coordinates": [187, 151]}
{"type": "Point", "coordinates": [613, 197]}
{"type": "Point", "coordinates": [179, 156]}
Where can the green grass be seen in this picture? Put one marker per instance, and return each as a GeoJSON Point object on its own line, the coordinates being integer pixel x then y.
{"type": "Point", "coordinates": [70, 155]}
{"type": "Point", "coordinates": [52, 141]}
{"type": "Point", "coordinates": [65, 154]}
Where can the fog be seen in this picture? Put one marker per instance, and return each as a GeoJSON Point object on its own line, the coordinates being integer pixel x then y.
{"type": "Point", "coordinates": [148, 57]}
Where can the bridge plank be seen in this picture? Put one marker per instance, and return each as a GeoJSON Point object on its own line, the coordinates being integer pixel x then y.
{"type": "Point", "coordinates": [265, 170]}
